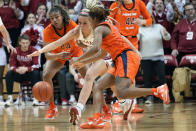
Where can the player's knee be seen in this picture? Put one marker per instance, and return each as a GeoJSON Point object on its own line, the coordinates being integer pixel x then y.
{"type": "Point", "coordinates": [119, 94]}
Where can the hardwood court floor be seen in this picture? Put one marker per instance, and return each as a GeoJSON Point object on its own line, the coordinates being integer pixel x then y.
{"type": "Point", "coordinates": [157, 117]}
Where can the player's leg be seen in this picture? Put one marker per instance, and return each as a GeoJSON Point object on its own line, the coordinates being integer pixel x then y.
{"type": "Point", "coordinates": [106, 81]}
{"type": "Point", "coordinates": [50, 69]}
{"type": "Point", "coordinates": [92, 73]}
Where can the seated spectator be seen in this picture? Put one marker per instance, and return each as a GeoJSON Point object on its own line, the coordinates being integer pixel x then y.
{"type": "Point", "coordinates": [41, 19]}
{"type": "Point", "coordinates": [153, 57]}
{"type": "Point", "coordinates": [34, 31]}
{"type": "Point", "coordinates": [66, 84]}
{"type": "Point", "coordinates": [184, 34]}
{"type": "Point", "coordinates": [22, 68]}
{"type": "Point", "coordinates": [11, 16]}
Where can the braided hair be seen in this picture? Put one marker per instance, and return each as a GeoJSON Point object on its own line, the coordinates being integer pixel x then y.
{"type": "Point", "coordinates": [62, 11]}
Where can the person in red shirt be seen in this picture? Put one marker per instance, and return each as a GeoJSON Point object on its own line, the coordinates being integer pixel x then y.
{"type": "Point", "coordinates": [184, 34]}
{"type": "Point", "coordinates": [41, 18]}
{"type": "Point", "coordinates": [22, 68]}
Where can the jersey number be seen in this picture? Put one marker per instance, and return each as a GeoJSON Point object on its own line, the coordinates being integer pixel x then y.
{"type": "Point", "coordinates": [128, 21]}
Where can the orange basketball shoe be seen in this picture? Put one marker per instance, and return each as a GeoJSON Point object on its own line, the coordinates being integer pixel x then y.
{"type": "Point", "coordinates": [52, 113]}
{"type": "Point", "coordinates": [107, 114]}
{"type": "Point", "coordinates": [162, 92]}
{"type": "Point", "coordinates": [137, 109]}
{"type": "Point", "coordinates": [116, 108]}
{"type": "Point", "coordinates": [94, 122]}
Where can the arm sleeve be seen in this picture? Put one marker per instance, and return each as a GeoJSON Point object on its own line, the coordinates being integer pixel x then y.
{"type": "Point", "coordinates": [145, 13]}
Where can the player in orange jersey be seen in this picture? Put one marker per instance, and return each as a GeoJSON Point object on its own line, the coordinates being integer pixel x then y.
{"type": "Point", "coordinates": [126, 63]}
{"type": "Point", "coordinates": [127, 15]}
{"type": "Point", "coordinates": [83, 35]}
{"type": "Point", "coordinates": [60, 25]}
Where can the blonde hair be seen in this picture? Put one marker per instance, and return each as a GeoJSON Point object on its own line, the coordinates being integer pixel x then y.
{"type": "Point", "coordinates": [93, 3]}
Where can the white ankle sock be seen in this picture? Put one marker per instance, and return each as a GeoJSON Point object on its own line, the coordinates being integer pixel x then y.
{"type": "Point", "coordinates": [81, 106]}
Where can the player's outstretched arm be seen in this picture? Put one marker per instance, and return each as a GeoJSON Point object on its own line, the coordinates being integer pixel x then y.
{"type": "Point", "coordinates": [70, 35]}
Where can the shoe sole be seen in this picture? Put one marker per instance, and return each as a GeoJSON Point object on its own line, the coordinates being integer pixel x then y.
{"type": "Point", "coordinates": [167, 100]}
{"type": "Point", "coordinates": [73, 115]}
{"type": "Point", "coordinates": [125, 116]}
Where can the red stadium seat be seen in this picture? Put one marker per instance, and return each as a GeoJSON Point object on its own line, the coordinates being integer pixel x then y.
{"type": "Point", "coordinates": [170, 60]}
{"type": "Point", "coordinates": [188, 60]}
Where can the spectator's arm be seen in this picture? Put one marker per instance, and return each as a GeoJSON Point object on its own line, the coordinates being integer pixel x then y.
{"type": "Point", "coordinates": [19, 13]}
{"type": "Point", "coordinates": [13, 62]}
{"type": "Point", "coordinates": [165, 34]}
{"type": "Point", "coordinates": [78, 7]}
{"type": "Point", "coordinates": [170, 12]}
{"type": "Point", "coordinates": [149, 6]}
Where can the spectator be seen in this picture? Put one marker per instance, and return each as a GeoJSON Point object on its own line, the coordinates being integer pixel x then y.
{"type": "Point", "coordinates": [163, 15]}
{"type": "Point", "coordinates": [34, 31]}
{"type": "Point", "coordinates": [66, 84]}
{"type": "Point", "coordinates": [184, 34]}
{"type": "Point", "coordinates": [22, 68]}
{"type": "Point", "coordinates": [153, 57]}
{"type": "Point", "coordinates": [11, 14]}
{"type": "Point", "coordinates": [75, 11]}
{"type": "Point", "coordinates": [41, 16]}
{"type": "Point", "coordinates": [4, 34]}
{"type": "Point", "coordinates": [194, 3]}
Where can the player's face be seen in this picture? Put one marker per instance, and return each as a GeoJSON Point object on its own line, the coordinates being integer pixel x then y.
{"type": "Point", "coordinates": [127, 1]}
{"type": "Point", "coordinates": [84, 23]}
{"type": "Point", "coordinates": [31, 19]}
{"type": "Point", "coordinates": [41, 10]}
{"type": "Point", "coordinates": [56, 19]}
{"type": "Point", "coordinates": [24, 44]}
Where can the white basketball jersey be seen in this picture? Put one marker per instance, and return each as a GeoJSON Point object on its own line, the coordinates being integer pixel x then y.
{"type": "Point", "coordinates": [86, 41]}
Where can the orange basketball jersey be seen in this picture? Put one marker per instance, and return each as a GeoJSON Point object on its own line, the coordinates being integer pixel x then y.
{"type": "Point", "coordinates": [125, 19]}
{"type": "Point", "coordinates": [114, 43]}
{"type": "Point", "coordinates": [50, 35]}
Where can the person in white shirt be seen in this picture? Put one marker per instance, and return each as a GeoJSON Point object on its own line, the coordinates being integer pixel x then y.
{"type": "Point", "coordinates": [151, 49]}
{"type": "Point", "coordinates": [3, 60]}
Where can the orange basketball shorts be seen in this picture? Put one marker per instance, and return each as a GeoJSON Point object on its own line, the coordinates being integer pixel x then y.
{"type": "Point", "coordinates": [126, 65]}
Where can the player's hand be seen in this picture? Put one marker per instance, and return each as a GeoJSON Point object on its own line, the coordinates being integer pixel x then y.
{"type": "Point", "coordinates": [11, 48]}
{"type": "Point", "coordinates": [140, 22]}
{"type": "Point", "coordinates": [73, 60]}
{"type": "Point", "coordinates": [174, 52]}
{"type": "Point", "coordinates": [35, 53]}
{"type": "Point", "coordinates": [64, 55]}
{"type": "Point", "coordinates": [165, 31]}
{"type": "Point", "coordinates": [78, 65]}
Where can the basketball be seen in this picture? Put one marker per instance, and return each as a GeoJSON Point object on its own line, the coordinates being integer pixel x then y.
{"type": "Point", "coordinates": [42, 91]}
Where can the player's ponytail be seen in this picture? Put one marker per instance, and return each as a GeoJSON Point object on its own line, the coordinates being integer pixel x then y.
{"type": "Point", "coordinates": [99, 13]}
